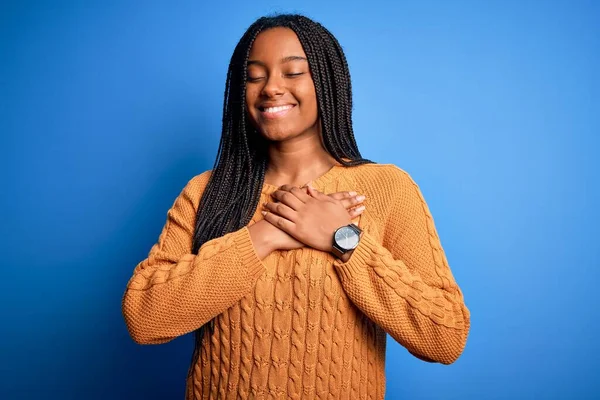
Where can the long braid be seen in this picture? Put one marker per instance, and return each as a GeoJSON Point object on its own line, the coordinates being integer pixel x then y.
{"type": "Point", "coordinates": [234, 188]}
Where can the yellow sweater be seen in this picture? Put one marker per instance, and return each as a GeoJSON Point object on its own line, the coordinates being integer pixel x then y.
{"type": "Point", "coordinates": [301, 324]}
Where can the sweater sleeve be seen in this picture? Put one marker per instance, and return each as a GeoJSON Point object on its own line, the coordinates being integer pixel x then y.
{"type": "Point", "coordinates": [174, 292]}
{"type": "Point", "coordinates": [405, 285]}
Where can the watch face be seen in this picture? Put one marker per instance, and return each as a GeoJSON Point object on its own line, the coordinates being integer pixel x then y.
{"type": "Point", "coordinates": [346, 238]}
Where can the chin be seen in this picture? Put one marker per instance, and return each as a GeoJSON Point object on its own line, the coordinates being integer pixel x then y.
{"type": "Point", "coordinates": [277, 134]}
{"type": "Point", "coordinates": [283, 133]}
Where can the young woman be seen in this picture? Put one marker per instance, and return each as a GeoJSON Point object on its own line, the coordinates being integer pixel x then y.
{"type": "Point", "coordinates": [293, 257]}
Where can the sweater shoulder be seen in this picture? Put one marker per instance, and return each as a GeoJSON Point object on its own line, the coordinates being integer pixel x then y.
{"type": "Point", "coordinates": [391, 192]}
{"type": "Point", "coordinates": [389, 178]}
{"type": "Point", "coordinates": [195, 187]}
{"type": "Point", "coordinates": [200, 180]}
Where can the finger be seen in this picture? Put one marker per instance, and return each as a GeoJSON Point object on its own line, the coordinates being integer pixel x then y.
{"type": "Point", "coordinates": [355, 212]}
{"type": "Point", "coordinates": [318, 195]}
{"type": "Point", "coordinates": [282, 210]}
{"type": "Point", "coordinates": [292, 188]}
{"type": "Point", "coordinates": [305, 189]}
{"type": "Point", "coordinates": [286, 187]}
{"type": "Point", "coordinates": [352, 201]}
{"type": "Point", "coordinates": [279, 222]}
{"type": "Point", "coordinates": [287, 198]}
{"type": "Point", "coordinates": [301, 194]}
{"type": "Point", "coordinates": [342, 195]}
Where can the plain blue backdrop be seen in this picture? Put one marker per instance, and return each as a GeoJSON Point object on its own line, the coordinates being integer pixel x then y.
{"type": "Point", "coordinates": [109, 107]}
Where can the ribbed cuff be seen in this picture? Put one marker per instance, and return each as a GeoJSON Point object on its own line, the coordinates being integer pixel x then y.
{"type": "Point", "coordinates": [362, 253]}
{"type": "Point", "coordinates": [254, 265]}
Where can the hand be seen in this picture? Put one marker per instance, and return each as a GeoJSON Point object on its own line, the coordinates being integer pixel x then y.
{"type": "Point", "coordinates": [266, 238]}
{"type": "Point", "coordinates": [350, 200]}
{"type": "Point", "coordinates": [310, 218]}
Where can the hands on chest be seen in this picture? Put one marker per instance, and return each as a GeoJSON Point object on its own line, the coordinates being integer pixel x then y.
{"type": "Point", "coordinates": [299, 217]}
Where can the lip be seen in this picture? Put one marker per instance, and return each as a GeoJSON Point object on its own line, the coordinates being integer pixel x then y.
{"type": "Point", "coordinates": [275, 115]}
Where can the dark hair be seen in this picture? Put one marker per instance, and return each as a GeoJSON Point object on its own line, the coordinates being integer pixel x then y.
{"type": "Point", "coordinates": [233, 191]}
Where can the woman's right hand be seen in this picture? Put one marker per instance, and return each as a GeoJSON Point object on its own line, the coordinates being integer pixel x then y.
{"type": "Point", "coordinates": [268, 238]}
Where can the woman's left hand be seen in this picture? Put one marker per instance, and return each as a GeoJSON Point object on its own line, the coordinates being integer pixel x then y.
{"type": "Point", "coordinates": [311, 218]}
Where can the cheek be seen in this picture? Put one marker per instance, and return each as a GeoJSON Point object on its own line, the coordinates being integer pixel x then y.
{"type": "Point", "coordinates": [309, 98]}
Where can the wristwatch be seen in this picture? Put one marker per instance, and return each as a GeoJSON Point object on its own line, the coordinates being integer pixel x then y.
{"type": "Point", "coordinates": [345, 239]}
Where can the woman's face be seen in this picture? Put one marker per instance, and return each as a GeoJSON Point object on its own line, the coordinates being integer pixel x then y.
{"type": "Point", "coordinates": [280, 93]}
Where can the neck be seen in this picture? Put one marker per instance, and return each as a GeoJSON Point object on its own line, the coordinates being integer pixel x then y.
{"type": "Point", "coordinates": [297, 161]}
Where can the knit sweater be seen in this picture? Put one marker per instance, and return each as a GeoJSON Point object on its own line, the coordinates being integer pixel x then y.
{"type": "Point", "coordinates": [302, 324]}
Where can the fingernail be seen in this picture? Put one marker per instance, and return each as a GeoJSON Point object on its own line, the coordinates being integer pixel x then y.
{"type": "Point", "coordinates": [360, 198]}
{"type": "Point", "coordinates": [360, 209]}
{"type": "Point", "coordinates": [352, 193]}
{"type": "Point", "coordinates": [263, 212]}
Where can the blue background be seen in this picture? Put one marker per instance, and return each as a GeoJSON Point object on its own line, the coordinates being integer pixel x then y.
{"type": "Point", "coordinates": [109, 107]}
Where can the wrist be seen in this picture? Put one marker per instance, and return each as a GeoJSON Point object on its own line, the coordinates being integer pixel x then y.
{"type": "Point", "coordinates": [346, 256]}
{"type": "Point", "coordinates": [259, 234]}
{"type": "Point", "coordinates": [344, 241]}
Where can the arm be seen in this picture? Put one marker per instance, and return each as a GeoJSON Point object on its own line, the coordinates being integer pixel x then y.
{"type": "Point", "coordinates": [174, 292]}
{"type": "Point", "coordinates": [405, 285]}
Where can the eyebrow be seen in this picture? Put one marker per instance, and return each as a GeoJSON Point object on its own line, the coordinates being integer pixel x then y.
{"type": "Point", "coordinates": [282, 61]}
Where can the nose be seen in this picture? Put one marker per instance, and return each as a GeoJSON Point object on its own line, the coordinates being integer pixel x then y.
{"type": "Point", "coordinates": [274, 86]}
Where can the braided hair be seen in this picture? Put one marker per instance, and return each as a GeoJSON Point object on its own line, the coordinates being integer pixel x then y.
{"type": "Point", "coordinates": [233, 191]}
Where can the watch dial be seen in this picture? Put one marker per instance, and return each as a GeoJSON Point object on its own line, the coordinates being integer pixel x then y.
{"type": "Point", "coordinates": [346, 238]}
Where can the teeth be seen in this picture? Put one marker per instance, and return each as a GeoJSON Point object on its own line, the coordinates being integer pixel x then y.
{"type": "Point", "coordinates": [277, 109]}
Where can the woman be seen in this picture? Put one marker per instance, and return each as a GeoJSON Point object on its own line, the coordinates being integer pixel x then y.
{"type": "Point", "coordinates": [291, 287]}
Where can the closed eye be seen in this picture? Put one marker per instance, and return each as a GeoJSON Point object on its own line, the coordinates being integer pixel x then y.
{"type": "Point", "coordinates": [254, 78]}
{"type": "Point", "coordinates": [258, 78]}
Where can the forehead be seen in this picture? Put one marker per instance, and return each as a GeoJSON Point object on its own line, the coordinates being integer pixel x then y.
{"type": "Point", "coordinates": [275, 44]}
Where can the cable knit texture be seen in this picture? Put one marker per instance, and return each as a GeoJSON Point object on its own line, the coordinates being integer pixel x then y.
{"type": "Point", "coordinates": [301, 324]}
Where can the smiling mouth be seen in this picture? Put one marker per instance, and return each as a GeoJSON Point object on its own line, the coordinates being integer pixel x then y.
{"type": "Point", "coordinates": [275, 112]}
